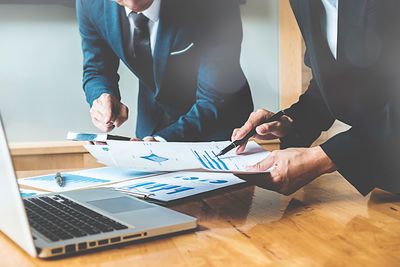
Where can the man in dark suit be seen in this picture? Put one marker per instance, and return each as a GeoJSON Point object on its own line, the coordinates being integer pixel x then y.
{"type": "Point", "coordinates": [186, 56]}
{"type": "Point", "coordinates": [353, 51]}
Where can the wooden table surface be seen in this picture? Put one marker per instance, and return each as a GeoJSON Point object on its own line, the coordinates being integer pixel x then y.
{"type": "Point", "coordinates": [325, 223]}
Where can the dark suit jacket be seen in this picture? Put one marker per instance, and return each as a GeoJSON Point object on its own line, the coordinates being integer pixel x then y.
{"type": "Point", "coordinates": [199, 94]}
{"type": "Point", "coordinates": [360, 88]}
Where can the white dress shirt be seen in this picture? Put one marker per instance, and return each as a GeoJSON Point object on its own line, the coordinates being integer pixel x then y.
{"type": "Point", "coordinates": [331, 24]}
{"type": "Point", "coordinates": [153, 14]}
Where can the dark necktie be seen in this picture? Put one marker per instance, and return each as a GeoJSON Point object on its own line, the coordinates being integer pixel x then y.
{"type": "Point", "coordinates": [142, 48]}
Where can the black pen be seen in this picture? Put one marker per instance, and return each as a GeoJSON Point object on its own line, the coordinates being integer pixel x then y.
{"type": "Point", "coordinates": [236, 143]}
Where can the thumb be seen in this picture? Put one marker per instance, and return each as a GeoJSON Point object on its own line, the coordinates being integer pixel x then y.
{"type": "Point", "coordinates": [122, 115]}
{"type": "Point", "coordinates": [267, 128]}
{"type": "Point", "coordinates": [263, 165]}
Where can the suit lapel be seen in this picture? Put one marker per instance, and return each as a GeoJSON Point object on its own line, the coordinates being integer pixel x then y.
{"type": "Point", "coordinates": [113, 26]}
{"type": "Point", "coordinates": [165, 37]}
{"type": "Point", "coordinates": [309, 22]}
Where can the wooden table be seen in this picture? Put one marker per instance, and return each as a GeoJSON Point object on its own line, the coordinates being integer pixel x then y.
{"type": "Point", "coordinates": [325, 223]}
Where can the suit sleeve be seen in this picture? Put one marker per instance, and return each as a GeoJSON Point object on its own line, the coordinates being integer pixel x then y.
{"type": "Point", "coordinates": [367, 154]}
{"type": "Point", "coordinates": [310, 117]}
{"type": "Point", "coordinates": [100, 64]}
{"type": "Point", "coordinates": [223, 99]}
{"type": "Point", "coordinates": [361, 154]}
{"type": "Point", "coordinates": [365, 96]}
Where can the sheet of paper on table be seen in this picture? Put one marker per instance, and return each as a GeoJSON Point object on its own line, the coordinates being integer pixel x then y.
{"type": "Point", "coordinates": [176, 185]}
{"type": "Point", "coordinates": [170, 156]}
{"type": "Point", "coordinates": [83, 179]}
{"type": "Point", "coordinates": [29, 192]}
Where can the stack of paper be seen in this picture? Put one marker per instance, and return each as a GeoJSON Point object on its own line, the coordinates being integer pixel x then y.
{"type": "Point", "coordinates": [139, 169]}
{"type": "Point", "coordinates": [163, 156]}
{"type": "Point", "coordinates": [83, 179]}
{"type": "Point", "coordinates": [177, 185]}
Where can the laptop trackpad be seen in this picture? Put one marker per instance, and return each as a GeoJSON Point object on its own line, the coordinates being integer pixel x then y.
{"type": "Point", "coordinates": [119, 204]}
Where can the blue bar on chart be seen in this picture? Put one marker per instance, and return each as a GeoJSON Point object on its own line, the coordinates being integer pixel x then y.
{"type": "Point", "coordinates": [156, 187]}
{"type": "Point", "coordinates": [71, 179]}
{"type": "Point", "coordinates": [211, 162]}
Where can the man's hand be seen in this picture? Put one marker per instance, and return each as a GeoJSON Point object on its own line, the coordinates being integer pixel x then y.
{"type": "Point", "coordinates": [266, 131]}
{"type": "Point", "coordinates": [145, 139]}
{"type": "Point", "coordinates": [107, 112]}
{"type": "Point", "coordinates": [292, 169]}
{"type": "Point", "coordinates": [149, 139]}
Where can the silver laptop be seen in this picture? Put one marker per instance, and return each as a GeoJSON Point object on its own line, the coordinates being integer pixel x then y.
{"type": "Point", "coordinates": [70, 222]}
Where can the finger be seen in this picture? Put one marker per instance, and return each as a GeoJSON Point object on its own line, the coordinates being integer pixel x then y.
{"type": "Point", "coordinates": [234, 133]}
{"type": "Point", "coordinates": [100, 143]}
{"type": "Point", "coordinates": [263, 165]}
{"type": "Point", "coordinates": [255, 119]}
{"type": "Point", "coordinates": [102, 113]}
{"type": "Point", "coordinates": [105, 105]}
{"type": "Point", "coordinates": [240, 149]}
{"type": "Point", "coordinates": [268, 128]}
{"type": "Point", "coordinates": [98, 108]}
{"type": "Point", "coordinates": [95, 113]}
{"type": "Point", "coordinates": [108, 114]}
{"type": "Point", "coordinates": [135, 139]}
{"type": "Point", "coordinates": [100, 125]}
{"type": "Point", "coordinates": [275, 174]}
{"type": "Point", "coordinates": [246, 128]}
{"type": "Point", "coordinates": [149, 139]}
{"type": "Point", "coordinates": [122, 115]}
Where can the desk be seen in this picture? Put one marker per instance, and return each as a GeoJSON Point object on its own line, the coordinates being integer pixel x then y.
{"type": "Point", "coordinates": [325, 223]}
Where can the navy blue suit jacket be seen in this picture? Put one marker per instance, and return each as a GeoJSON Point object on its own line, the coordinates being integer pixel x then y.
{"type": "Point", "coordinates": [360, 88]}
{"type": "Point", "coordinates": [200, 94]}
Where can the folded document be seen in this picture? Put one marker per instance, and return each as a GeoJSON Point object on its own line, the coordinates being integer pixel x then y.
{"type": "Point", "coordinates": [170, 156]}
{"type": "Point", "coordinates": [172, 186]}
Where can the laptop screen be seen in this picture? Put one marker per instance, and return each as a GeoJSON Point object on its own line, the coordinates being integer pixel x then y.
{"type": "Point", "coordinates": [13, 222]}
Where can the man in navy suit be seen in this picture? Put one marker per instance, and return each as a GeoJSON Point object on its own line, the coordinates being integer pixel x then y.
{"type": "Point", "coordinates": [353, 51]}
{"type": "Point", "coordinates": [186, 56]}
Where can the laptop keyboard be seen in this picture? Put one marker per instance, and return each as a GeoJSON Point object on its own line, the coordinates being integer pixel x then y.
{"type": "Point", "coordinates": [59, 218]}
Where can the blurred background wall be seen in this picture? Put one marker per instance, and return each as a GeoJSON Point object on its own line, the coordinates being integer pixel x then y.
{"type": "Point", "coordinates": [41, 69]}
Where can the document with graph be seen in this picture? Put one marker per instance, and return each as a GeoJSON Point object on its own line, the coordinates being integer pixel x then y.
{"type": "Point", "coordinates": [170, 156]}
{"type": "Point", "coordinates": [172, 186]}
{"type": "Point", "coordinates": [82, 179]}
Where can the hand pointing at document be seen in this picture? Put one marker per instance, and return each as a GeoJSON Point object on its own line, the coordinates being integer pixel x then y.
{"type": "Point", "coordinates": [266, 131]}
{"type": "Point", "coordinates": [292, 167]}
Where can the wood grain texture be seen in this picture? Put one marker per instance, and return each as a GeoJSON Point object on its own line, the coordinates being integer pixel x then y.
{"type": "Point", "coordinates": [40, 148]}
{"type": "Point", "coordinates": [326, 223]}
{"type": "Point", "coordinates": [51, 155]}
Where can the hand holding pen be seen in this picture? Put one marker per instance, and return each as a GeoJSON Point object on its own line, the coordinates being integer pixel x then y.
{"type": "Point", "coordinates": [262, 124]}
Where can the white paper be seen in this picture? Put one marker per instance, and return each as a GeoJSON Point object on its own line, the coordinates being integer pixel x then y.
{"type": "Point", "coordinates": [177, 185]}
{"type": "Point", "coordinates": [83, 179]}
{"type": "Point", "coordinates": [29, 192]}
{"type": "Point", "coordinates": [101, 153]}
{"type": "Point", "coordinates": [169, 156]}
{"type": "Point", "coordinates": [113, 174]}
